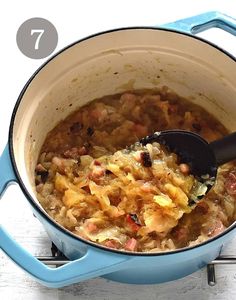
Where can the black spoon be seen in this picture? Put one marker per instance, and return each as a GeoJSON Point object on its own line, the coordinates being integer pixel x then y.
{"type": "Point", "coordinates": [202, 157]}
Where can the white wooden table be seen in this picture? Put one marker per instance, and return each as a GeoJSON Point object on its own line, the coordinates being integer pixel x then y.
{"type": "Point", "coordinates": [74, 20]}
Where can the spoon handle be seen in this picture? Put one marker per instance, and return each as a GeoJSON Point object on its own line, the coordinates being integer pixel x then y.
{"type": "Point", "coordinates": [224, 149]}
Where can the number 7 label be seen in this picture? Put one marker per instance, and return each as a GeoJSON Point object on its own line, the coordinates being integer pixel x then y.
{"type": "Point", "coordinates": [37, 38]}
{"type": "Point", "coordinates": [40, 33]}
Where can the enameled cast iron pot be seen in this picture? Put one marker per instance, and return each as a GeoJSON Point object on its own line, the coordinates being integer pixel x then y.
{"type": "Point", "coordinates": [103, 64]}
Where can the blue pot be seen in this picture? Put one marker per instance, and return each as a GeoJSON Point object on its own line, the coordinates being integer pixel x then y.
{"type": "Point", "coordinates": [108, 63]}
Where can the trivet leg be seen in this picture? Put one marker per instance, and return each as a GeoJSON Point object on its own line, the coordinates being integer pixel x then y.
{"type": "Point", "coordinates": [211, 277]}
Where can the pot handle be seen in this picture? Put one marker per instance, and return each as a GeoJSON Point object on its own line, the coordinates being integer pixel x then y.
{"type": "Point", "coordinates": [7, 175]}
{"type": "Point", "coordinates": [94, 263]}
{"type": "Point", "coordinates": [203, 22]}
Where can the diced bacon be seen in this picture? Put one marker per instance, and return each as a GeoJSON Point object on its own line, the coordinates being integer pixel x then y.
{"type": "Point", "coordinates": [72, 153]}
{"type": "Point", "coordinates": [97, 172]}
{"type": "Point", "coordinates": [219, 227]}
{"type": "Point", "coordinates": [99, 114]}
{"type": "Point", "coordinates": [230, 183]}
{"type": "Point", "coordinates": [95, 113]}
{"type": "Point", "coordinates": [128, 97]}
{"type": "Point", "coordinates": [97, 163]}
{"type": "Point", "coordinates": [91, 227]}
{"type": "Point", "coordinates": [184, 168]}
{"type": "Point", "coordinates": [128, 102]}
{"type": "Point", "coordinates": [57, 161]}
{"type": "Point", "coordinates": [83, 151]}
{"type": "Point", "coordinates": [131, 245]}
{"type": "Point", "coordinates": [75, 152]}
{"type": "Point", "coordinates": [40, 168]}
{"type": "Point", "coordinates": [112, 244]}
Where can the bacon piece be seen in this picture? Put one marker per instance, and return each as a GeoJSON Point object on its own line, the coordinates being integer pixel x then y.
{"type": "Point", "coordinates": [112, 244]}
{"type": "Point", "coordinates": [97, 172]}
{"type": "Point", "coordinates": [128, 97]}
{"type": "Point", "coordinates": [40, 168]}
{"type": "Point", "coordinates": [59, 163]}
{"type": "Point", "coordinates": [99, 114]}
{"type": "Point", "coordinates": [97, 163]}
{"type": "Point", "coordinates": [83, 150]}
{"type": "Point", "coordinates": [218, 228]}
{"type": "Point", "coordinates": [91, 227]}
{"type": "Point", "coordinates": [131, 245]}
{"type": "Point", "coordinates": [230, 183]}
{"type": "Point", "coordinates": [184, 168]}
{"type": "Point", "coordinates": [75, 152]}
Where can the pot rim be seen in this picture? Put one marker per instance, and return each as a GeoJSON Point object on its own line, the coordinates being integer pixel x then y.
{"type": "Point", "coordinates": [41, 210]}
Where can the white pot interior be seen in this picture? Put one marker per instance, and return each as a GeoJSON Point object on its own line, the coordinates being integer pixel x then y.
{"type": "Point", "coordinates": [114, 62]}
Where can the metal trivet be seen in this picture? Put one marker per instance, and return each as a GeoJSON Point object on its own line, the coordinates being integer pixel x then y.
{"type": "Point", "coordinates": [58, 259]}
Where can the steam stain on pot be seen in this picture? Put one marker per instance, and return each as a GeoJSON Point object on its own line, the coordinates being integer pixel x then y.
{"type": "Point", "coordinates": [127, 86]}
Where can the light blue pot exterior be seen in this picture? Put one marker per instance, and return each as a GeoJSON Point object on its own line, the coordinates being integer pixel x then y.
{"type": "Point", "coordinates": [89, 261]}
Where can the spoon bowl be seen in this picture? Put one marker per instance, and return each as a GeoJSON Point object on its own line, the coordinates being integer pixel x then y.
{"type": "Point", "coordinates": [191, 149]}
{"type": "Point", "coordinates": [202, 157]}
